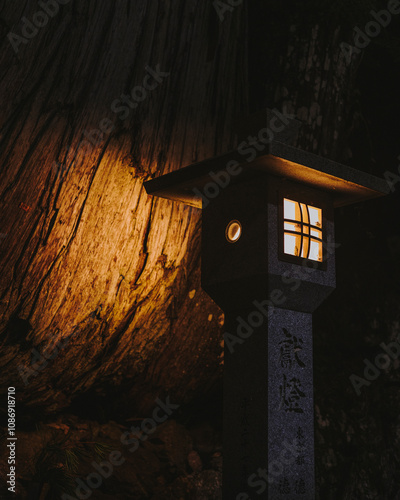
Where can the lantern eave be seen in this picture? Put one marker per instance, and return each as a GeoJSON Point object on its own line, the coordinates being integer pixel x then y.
{"type": "Point", "coordinates": [347, 184]}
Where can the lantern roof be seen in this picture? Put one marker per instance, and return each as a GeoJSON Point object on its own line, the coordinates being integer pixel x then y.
{"type": "Point", "coordinates": [347, 184]}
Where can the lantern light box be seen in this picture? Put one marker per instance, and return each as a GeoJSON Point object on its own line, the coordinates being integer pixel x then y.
{"type": "Point", "coordinates": [302, 230]}
{"type": "Point", "coordinates": [271, 217]}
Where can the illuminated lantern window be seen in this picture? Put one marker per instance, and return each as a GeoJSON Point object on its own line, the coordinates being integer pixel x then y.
{"type": "Point", "coordinates": [302, 230]}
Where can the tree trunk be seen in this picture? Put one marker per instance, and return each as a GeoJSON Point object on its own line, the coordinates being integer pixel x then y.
{"type": "Point", "coordinates": [89, 259]}
{"type": "Point", "coordinates": [306, 73]}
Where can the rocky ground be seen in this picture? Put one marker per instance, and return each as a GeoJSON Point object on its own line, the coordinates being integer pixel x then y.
{"type": "Point", "coordinates": [108, 462]}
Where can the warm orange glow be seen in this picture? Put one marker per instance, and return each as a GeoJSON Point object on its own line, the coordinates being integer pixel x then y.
{"type": "Point", "coordinates": [302, 230]}
{"type": "Point", "coordinates": [233, 231]}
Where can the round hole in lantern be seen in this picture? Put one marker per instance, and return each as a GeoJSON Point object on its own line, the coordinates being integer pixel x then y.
{"type": "Point", "coordinates": [233, 231]}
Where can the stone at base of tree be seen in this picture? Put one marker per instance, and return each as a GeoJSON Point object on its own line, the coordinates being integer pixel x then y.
{"type": "Point", "coordinates": [206, 485]}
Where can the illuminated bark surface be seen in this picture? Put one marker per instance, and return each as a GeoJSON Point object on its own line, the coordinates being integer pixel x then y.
{"type": "Point", "coordinates": [87, 242]}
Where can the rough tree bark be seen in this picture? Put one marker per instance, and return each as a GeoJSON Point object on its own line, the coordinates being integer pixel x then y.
{"type": "Point", "coordinates": [87, 251]}
{"type": "Point", "coordinates": [306, 72]}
